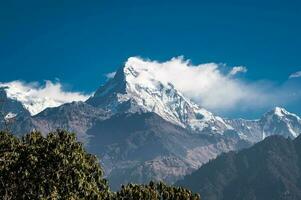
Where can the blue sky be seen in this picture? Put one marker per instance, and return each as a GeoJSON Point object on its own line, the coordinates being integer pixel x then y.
{"type": "Point", "coordinates": [78, 42]}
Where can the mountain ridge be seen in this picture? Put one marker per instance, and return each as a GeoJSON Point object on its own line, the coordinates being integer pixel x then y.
{"type": "Point", "coordinates": [271, 169]}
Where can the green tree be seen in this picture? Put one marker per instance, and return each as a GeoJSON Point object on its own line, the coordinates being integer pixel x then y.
{"type": "Point", "coordinates": [51, 167]}
{"type": "Point", "coordinates": [154, 191]}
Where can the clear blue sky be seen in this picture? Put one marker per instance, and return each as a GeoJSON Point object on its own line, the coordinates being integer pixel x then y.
{"type": "Point", "coordinates": [79, 41]}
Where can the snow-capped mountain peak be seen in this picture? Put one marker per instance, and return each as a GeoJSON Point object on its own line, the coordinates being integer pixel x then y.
{"type": "Point", "coordinates": [277, 121]}
{"type": "Point", "coordinates": [35, 98]}
{"type": "Point", "coordinates": [138, 87]}
{"type": "Point", "coordinates": [281, 112]}
{"type": "Point", "coordinates": [280, 121]}
{"type": "Point", "coordinates": [32, 103]}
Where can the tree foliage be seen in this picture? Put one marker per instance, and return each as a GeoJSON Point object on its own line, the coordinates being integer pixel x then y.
{"type": "Point", "coordinates": [51, 167]}
{"type": "Point", "coordinates": [154, 191]}
{"type": "Point", "coordinates": [56, 166]}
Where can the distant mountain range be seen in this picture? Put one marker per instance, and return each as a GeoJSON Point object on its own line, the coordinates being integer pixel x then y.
{"type": "Point", "coordinates": [270, 169]}
{"type": "Point", "coordinates": [143, 128]}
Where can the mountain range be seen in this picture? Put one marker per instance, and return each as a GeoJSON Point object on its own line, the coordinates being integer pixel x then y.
{"type": "Point", "coordinates": [270, 169]}
{"type": "Point", "coordinates": [143, 128]}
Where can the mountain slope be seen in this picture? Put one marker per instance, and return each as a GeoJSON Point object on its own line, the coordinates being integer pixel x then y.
{"type": "Point", "coordinates": [270, 169]}
{"type": "Point", "coordinates": [148, 147]}
{"type": "Point", "coordinates": [75, 117]}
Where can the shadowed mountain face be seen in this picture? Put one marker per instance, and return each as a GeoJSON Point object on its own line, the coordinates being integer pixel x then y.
{"type": "Point", "coordinates": [144, 147]}
{"type": "Point", "coordinates": [270, 169]}
{"type": "Point", "coordinates": [143, 128]}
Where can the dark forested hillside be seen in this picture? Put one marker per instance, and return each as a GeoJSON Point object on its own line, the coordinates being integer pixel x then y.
{"type": "Point", "coordinates": [270, 169]}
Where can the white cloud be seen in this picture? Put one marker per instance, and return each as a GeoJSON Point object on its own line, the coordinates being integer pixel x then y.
{"type": "Point", "coordinates": [295, 75]}
{"type": "Point", "coordinates": [110, 75]}
{"type": "Point", "coordinates": [238, 69]}
{"type": "Point", "coordinates": [208, 86]}
{"type": "Point", "coordinates": [36, 97]}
